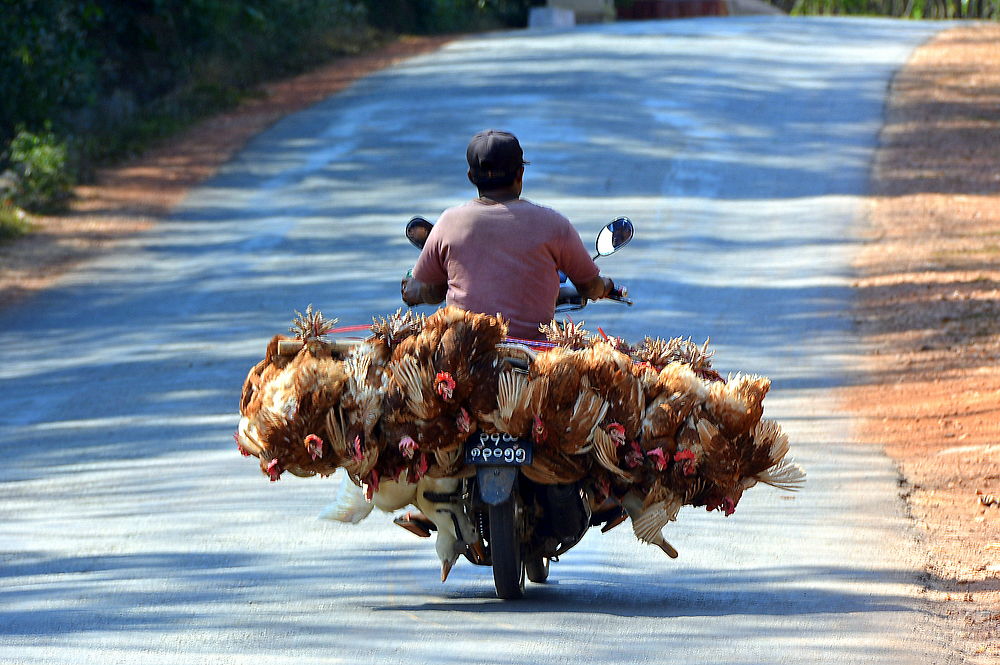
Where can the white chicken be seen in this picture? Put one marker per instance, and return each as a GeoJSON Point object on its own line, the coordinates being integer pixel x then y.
{"type": "Point", "coordinates": [351, 506]}
{"type": "Point", "coordinates": [455, 530]}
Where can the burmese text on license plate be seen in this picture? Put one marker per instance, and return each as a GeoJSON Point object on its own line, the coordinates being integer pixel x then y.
{"type": "Point", "coordinates": [498, 449]}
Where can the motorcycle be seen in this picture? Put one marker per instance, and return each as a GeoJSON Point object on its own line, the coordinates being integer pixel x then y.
{"type": "Point", "coordinates": [522, 526]}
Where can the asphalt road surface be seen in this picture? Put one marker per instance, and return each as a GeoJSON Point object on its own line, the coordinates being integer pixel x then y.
{"type": "Point", "coordinates": [133, 532]}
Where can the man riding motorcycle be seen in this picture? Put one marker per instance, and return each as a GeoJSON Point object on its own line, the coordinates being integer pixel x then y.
{"type": "Point", "coordinates": [499, 252]}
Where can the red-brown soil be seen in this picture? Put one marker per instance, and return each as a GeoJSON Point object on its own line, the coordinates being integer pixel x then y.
{"type": "Point", "coordinates": [929, 310]}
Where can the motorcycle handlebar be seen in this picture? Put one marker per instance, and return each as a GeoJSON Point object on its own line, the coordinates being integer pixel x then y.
{"type": "Point", "coordinates": [620, 294]}
{"type": "Point", "coordinates": [569, 298]}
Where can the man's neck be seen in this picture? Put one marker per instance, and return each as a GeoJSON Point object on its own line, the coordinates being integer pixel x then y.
{"type": "Point", "coordinates": [498, 196]}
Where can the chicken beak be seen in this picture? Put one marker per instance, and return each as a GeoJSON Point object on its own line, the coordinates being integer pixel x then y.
{"type": "Point", "coordinates": [445, 569]}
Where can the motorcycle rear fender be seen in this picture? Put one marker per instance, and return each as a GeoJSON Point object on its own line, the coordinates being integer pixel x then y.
{"type": "Point", "coordinates": [495, 483]}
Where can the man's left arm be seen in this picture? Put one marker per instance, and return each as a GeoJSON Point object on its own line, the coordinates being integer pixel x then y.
{"type": "Point", "coordinates": [596, 288]}
{"type": "Point", "coordinates": [432, 285]}
{"type": "Point", "coordinates": [415, 292]}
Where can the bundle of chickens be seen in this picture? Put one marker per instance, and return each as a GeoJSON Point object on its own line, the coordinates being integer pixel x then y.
{"type": "Point", "coordinates": [651, 427]}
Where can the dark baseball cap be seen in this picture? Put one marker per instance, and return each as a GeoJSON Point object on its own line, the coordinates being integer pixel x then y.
{"type": "Point", "coordinates": [494, 157]}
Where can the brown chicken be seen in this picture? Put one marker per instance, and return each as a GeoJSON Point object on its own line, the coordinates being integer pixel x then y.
{"type": "Point", "coordinates": [659, 353]}
{"type": "Point", "coordinates": [736, 406]}
{"type": "Point", "coordinates": [284, 403]}
{"type": "Point", "coordinates": [483, 399]}
{"type": "Point", "coordinates": [434, 368]}
{"type": "Point", "coordinates": [571, 409]}
{"type": "Point", "coordinates": [260, 374]}
{"type": "Point", "coordinates": [521, 401]}
{"type": "Point", "coordinates": [610, 373]}
{"type": "Point", "coordinates": [567, 334]}
{"type": "Point", "coordinates": [675, 395]}
{"type": "Point", "coordinates": [780, 471]}
{"type": "Point", "coordinates": [394, 328]}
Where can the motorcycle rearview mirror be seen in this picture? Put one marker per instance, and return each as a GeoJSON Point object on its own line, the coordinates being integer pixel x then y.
{"type": "Point", "coordinates": [417, 230]}
{"type": "Point", "coordinates": [614, 236]}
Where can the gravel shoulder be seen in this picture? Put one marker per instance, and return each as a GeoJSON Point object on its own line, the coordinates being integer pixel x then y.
{"type": "Point", "coordinates": [928, 292]}
{"type": "Point", "coordinates": [928, 308]}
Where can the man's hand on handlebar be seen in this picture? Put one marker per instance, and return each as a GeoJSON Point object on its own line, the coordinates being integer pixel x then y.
{"type": "Point", "coordinates": [609, 287]}
{"type": "Point", "coordinates": [414, 292]}
{"type": "Point", "coordinates": [596, 288]}
{"type": "Point", "coordinates": [404, 286]}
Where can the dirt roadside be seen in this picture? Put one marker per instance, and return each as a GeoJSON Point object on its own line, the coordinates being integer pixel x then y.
{"type": "Point", "coordinates": [928, 292]}
{"type": "Point", "coordinates": [928, 309]}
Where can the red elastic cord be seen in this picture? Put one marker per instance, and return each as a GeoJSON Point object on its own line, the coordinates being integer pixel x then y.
{"type": "Point", "coordinates": [344, 329]}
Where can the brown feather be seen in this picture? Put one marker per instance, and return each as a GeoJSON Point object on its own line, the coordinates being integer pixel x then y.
{"type": "Point", "coordinates": [552, 467]}
{"type": "Point", "coordinates": [482, 399]}
{"type": "Point", "coordinates": [567, 334]}
{"type": "Point", "coordinates": [562, 370]}
{"type": "Point", "coordinates": [606, 452]}
{"type": "Point", "coordinates": [527, 406]}
{"type": "Point", "coordinates": [588, 411]}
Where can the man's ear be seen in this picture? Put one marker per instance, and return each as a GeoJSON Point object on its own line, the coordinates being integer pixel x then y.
{"type": "Point", "coordinates": [469, 173]}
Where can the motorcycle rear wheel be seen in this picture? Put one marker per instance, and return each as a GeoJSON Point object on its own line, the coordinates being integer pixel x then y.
{"type": "Point", "coordinates": [505, 551]}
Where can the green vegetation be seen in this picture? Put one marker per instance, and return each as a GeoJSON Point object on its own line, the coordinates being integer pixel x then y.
{"type": "Point", "coordinates": [86, 82]}
{"type": "Point", "coordinates": [917, 9]}
{"type": "Point", "coordinates": [13, 222]}
{"type": "Point", "coordinates": [40, 176]}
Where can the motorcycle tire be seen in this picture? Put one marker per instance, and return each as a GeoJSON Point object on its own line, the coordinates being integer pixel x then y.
{"type": "Point", "coordinates": [505, 551]}
{"type": "Point", "coordinates": [537, 569]}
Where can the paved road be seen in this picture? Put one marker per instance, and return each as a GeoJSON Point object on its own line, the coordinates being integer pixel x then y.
{"type": "Point", "coordinates": [132, 532]}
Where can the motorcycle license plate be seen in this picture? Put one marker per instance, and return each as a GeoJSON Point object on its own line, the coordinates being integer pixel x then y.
{"type": "Point", "coordinates": [497, 449]}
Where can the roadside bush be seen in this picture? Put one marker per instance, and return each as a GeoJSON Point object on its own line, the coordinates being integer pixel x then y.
{"type": "Point", "coordinates": [13, 222]}
{"type": "Point", "coordinates": [41, 177]}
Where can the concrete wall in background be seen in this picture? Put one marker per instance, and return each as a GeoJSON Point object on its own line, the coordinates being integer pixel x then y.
{"type": "Point", "coordinates": [587, 11]}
